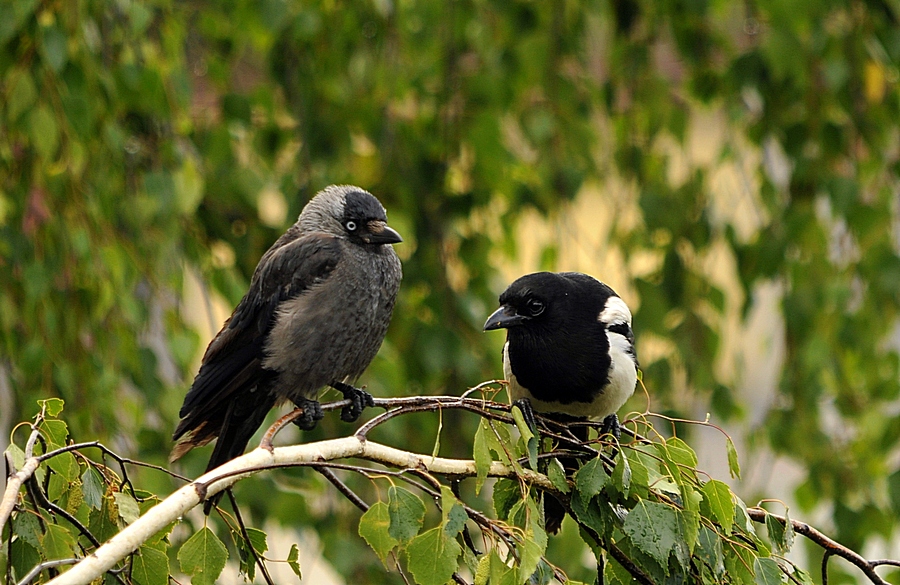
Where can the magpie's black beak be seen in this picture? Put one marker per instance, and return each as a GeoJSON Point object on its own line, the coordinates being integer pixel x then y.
{"type": "Point", "coordinates": [380, 233]}
{"type": "Point", "coordinates": [504, 318]}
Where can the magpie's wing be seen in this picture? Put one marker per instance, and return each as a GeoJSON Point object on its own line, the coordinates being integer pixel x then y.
{"type": "Point", "coordinates": [231, 368]}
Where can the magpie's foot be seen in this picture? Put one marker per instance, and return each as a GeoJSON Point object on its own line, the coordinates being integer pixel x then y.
{"type": "Point", "coordinates": [611, 425]}
{"type": "Point", "coordinates": [312, 413]}
{"type": "Point", "coordinates": [359, 400]}
{"type": "Point", "coordinates": [527, 413]}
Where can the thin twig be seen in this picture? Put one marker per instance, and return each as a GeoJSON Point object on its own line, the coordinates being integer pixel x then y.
{"type": "Point", "coordinates": [246, 536]}
{"type": "Point", "coordinates": [122, 461]}
{"type": "Point", "coordinates": [36, 570]}
{"type": "Point", "coordinates": [343, 488]}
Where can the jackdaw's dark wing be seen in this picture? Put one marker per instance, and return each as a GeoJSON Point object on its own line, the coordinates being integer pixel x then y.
{"type": "Point", "coordinates": [226, 398]}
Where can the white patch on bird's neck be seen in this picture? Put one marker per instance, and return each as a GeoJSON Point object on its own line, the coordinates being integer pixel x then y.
{"type": "Point", "coordinates": [615, 311]}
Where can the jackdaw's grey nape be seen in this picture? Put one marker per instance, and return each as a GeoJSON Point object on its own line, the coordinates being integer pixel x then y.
{"type": "Point", "coordinates": [318, 307]}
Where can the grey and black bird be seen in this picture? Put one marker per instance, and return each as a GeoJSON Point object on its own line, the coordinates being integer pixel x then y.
{"type": "Point", "coordinates": [569, 351]}
{"type": "Point", "coordinates": [317, 311]}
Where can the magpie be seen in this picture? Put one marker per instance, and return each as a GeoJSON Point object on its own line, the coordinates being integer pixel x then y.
{"type": "Point", "coordinates": [569, 350]}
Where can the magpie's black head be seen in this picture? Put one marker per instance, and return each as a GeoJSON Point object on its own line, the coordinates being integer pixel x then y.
{"type": "Point", "coordinates": [348, 212]}
{"type": "Point", "coordinates": [549, 300]}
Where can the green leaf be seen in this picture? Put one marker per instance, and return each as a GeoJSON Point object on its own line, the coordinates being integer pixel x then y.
{"type": "Point", "coordinates": [65, 465]}
{"type": "Point", "coordinates": [768, 572]}
{"type": "Point", "coordinates": [51, 407]}
{"type": "Point", "coordinates": [482, 455]}
{"type": "Point", "coordinates": [23, 556]}
{"type": "Point", "coordinates": [16, 455]}
{"type": "Point", "coordinates": [591, 513]}
{"type": "Point", "coordinates": [57, 543]}
{"type": "Point", "coordinates": [531, 441]}
{"type": "Point", "coordinates": [653, 528]}
{"type": "Point", "coordinates": [710, 551]}
{"type": "Point", "coordinates": [56, 432]}
{"type": "Point", "coordinates": [127, 506]}
{"type": "Point", "coordinates": [27, 527]}
{"type": "Point", "coordinates": [640, 473]}
{"type": "Point", "coordinates": [104, 522]}
{"type": "Point", "coordinates": [506, 494]}
{"type": "Point", "coordinates": [258, 540]}
{"type": "Point", "coordinates": [718, 495]}
{"type": "Point", "coordinates": [614, 574]}
{"type": "Point", "coordinates": [780, 533]}
{"type": "Point", "coordinates": [681, 453]}
{"type": "Point", "coordinates": [150, 566]}
{"type": "Point", "coordinates": [374, 528]}
{"type": "Point", "coordinates": [688, 532]}
{"type": "Point", "coordinates": [258, 543]}
{"type": "Point", "coordinates": [431, 557]}
{"type": "Point", "coordinates": [203, 557]}
{"type": "Point", "coordinates": [532, 547]}
{"type": "Point", "coordinates": [407, 512]}
{"type": "Point", "coordinates": [739, 561]}
{"type": "Point", "coordinates": [557, 476]}
{"type": "Point", "coordinates": [499, 441]}
{"type": "Point", "coordinates": [21, 94]}
{"type": "Point", "coordinates": [493, 571]}
{"type": "Point", "coordinates": [93, 489]}
{"type": "Point", "coordinates": [189, 186]}
{"type": "Point", "coordinates": [622, 474]}
{"type": "Point", "coordinates": [590, 479]}
{"type": "Point", "coordinates": [293, 560]}
{"type": "Point", "coordinates": [44, 132]}
{"type": "Point", "coordinates": [54, 47]}
{"type": "Point", "coordinates": [734, 466]}
{"type": "Point", "coordinates": [453, 515]}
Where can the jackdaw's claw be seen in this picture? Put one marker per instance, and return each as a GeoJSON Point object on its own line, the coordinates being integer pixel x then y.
{"type": "Point", "coordinates": [611, 425]}
{"type": "Point", "coordinates": [359, 400]}
{"type": "Point", "coordinates": [527, 413]}
{"type": "Point", "coordinates": [312, 414]}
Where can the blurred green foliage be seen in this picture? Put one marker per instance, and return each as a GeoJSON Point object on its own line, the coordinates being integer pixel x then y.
{"type": "Point", "coordinates": [136, 137]}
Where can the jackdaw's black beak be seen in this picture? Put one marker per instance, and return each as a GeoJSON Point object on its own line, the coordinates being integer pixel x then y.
{"type": "Point", "coordinates": [380, 233]}
{"type": "Point", "coordinates": [504, 318]}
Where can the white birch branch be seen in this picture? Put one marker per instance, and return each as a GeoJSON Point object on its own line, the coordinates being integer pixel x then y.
{"type": "Point", "coordinates": [173, 507]}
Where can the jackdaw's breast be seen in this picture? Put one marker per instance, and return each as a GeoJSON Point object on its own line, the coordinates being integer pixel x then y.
{"type": "Point", "coordinates": [332, 330]}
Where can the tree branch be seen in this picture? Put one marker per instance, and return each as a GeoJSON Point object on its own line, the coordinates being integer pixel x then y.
{"type": "Point", "coordinates": [832, 547]}
{"type": "Point", "coordinates": [177, 504]}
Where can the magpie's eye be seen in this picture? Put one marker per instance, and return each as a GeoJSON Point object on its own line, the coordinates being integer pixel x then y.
{"type": "Point", "coordinates": [535, 307]}
{"type": "Point", "coordinates": [350, 225]}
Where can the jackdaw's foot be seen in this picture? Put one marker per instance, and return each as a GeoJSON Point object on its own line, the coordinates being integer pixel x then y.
{"type": "Point", "coordinates": [527, 413]}
{"type": "Point", "coordinates": [359, 400]}
{"type": "Point", "coordinates": [312, 413]}
{"type": "Point", "coordinates": [611, 425]}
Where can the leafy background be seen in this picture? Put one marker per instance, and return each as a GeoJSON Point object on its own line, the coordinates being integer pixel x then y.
{"type": "Point", "coordinates": [730, 168]}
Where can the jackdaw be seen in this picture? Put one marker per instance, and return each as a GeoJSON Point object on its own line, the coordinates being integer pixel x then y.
{"type": "Point", "coordinates": [318, 308]}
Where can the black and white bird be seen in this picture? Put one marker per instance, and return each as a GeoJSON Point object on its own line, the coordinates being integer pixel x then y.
{"type": "Point", "coordinates": [318, 308]}
{"type": "Point", "coordinates": [569, 349]}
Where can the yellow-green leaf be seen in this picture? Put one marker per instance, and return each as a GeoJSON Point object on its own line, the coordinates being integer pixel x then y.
{"type": "Point", "coordinates": [718, 496]}
{"type": "Point", "coordinates": [150, 566]}
{"type": "Point", "coordinates": [203, 557]}
{"type": "Point", "coordinates": [374, 528]}
{"type": "Point", "coordinates": [432, 557]}
{"type": "Point", "coordinates": [482, 455]}
{"type": "Point", "coordinates": [407, 512]}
